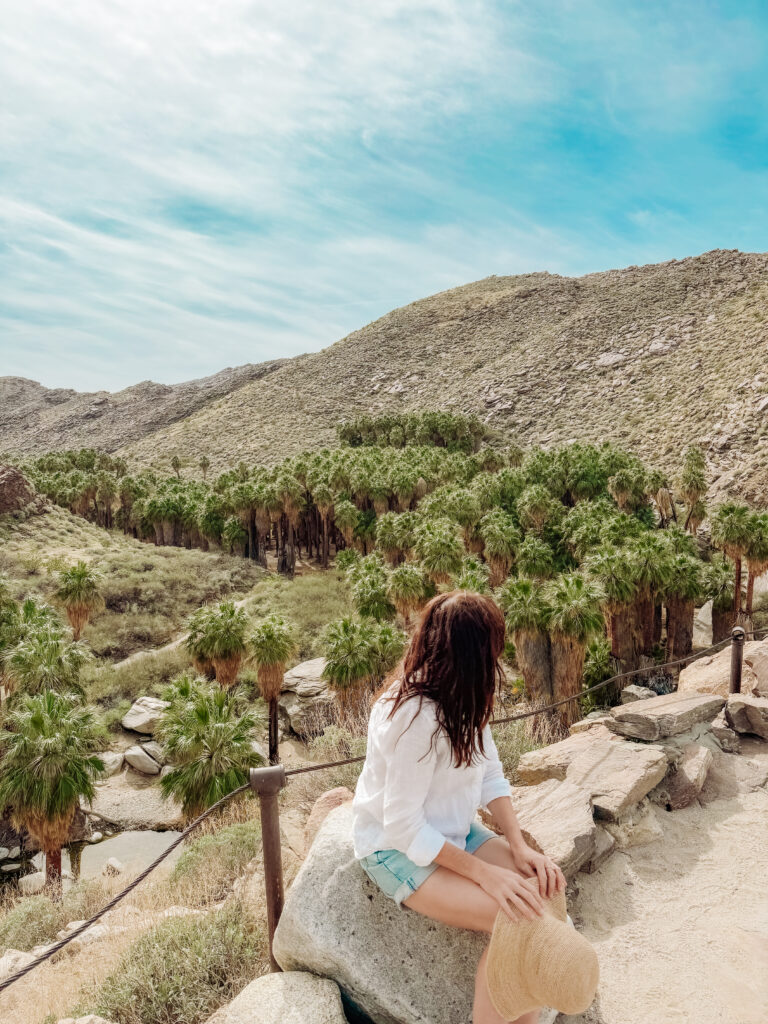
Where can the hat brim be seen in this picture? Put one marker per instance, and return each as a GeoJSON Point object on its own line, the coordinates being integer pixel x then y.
{"type": "Point", "coordinates": [509, 990]}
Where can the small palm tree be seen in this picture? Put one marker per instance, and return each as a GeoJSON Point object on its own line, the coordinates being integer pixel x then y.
{"type": "Point", "coordinates": [693, 486]}
{"type": "Point", "coordinates": [218, 636]}
{"type": "Point", "coordinates": [78, 592]}
{"type": "Point", "coordinates": [176, 466]}
{"type": "Point", "coordinates": [204, 464]}
{"type": "Point", "coordinates": [370, 591]}
{"type": "Point", "coordinates": [500, 537]}
{"type": "Point", "coordinates": [47, 768]}
{"type": "Point", "coordinates": [439, 549]}
{"type": "Point", "coordinates": [271, 645]}
{"type": "Point", "coordinates": [474, 576]}
{"type": "Point", "coordinates": [534, 557]}
{"type": "Point", "coordinates": [208, 738]}
{"type": "Point", "coordinates": [44, 659]}
{"type": "Point", "coordinates": [574, 617]}
{"type": "Point", "coordinates": [408, 589]}
{"type": "Point", "coordinates": [358, 656]}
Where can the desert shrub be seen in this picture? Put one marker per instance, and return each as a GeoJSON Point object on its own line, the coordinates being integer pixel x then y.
{"type": "Point", "coordinates": [148, 674]}
{"type": "Point", "coordinates": [335, 743]}
{"type": "Point", "coordinates": [517, 738]}
{"type": "Point", "coordinates": [183, 969]}
{"type": "Point", "coordinates": [206, 870]}
{"type": "Point", "coordinates": [28, 921]}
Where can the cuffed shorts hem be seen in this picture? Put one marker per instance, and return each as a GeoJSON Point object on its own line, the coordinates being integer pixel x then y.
{"type": "Point", "coordinates": [398, 877]}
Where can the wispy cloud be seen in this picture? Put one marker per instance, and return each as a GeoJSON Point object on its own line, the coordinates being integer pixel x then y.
{"type": "Point", "coordinates": [186, 185]}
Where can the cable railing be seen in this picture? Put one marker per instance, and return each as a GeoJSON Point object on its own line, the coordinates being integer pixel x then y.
{"type": "Point", "coordinates": [267, 783]}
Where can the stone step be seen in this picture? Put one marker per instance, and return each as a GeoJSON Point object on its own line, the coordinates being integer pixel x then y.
{"type": "Point", "coordinates": [664, 716]}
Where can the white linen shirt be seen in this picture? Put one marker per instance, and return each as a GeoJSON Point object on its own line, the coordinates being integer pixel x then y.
{"type": "Point", "coordinates": [410, 796]}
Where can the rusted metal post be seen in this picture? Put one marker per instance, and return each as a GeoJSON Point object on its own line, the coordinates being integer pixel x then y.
{"type": "Point", "coordinates": [737, 657]}
{"type": "Point", "coordinates": [267, 783]}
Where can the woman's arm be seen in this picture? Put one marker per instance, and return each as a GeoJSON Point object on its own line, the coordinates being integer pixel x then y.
{"type": "Point", "coordinates": [518, 897]}
{"type": "Point", "coordinates": [527, 860]}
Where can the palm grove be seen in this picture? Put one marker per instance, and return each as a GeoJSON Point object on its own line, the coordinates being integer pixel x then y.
{"type": "Point", "coordinates": [595, 559]}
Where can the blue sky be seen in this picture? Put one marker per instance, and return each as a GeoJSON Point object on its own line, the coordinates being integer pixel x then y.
{"type": "Point", "coordinates": [190, 184]}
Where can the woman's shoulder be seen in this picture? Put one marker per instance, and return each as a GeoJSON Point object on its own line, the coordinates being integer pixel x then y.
{"type": "Point", "coordinates": [412, 712]}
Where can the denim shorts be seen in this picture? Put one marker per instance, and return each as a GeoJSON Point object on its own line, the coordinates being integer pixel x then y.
{"type": "Point", "coordinates": [397, 876]}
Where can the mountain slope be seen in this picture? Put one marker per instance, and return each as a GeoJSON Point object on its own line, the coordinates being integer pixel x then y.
{"type": "Point", "coordinates": [654, 357]}
{"type": "Point", "coordinates": [36, 419]}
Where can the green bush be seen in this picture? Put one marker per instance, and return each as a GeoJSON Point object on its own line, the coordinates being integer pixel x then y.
{"type": "Point", "coordinates": [208, 867]}
{"type": "Point", "coordinates": [32, 920]}
{"type": "Point", "coordinates": [181, 971]}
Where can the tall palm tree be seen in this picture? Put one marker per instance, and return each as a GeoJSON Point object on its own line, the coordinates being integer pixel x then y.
{"type": "Point", "coordinates": [650, 555]}
{"type": "Point", "coordinates": [693, 486]}
{"type": "Point", "coordinates": [208, 739]}
{"type": "Point", "coordinates": [756, 554]}
{"type": "Point", "coordinates": [176, 466]}
{"type": "Point", "coordinates": [271, 645]}
{"type": "Point", "coordinates": [730, 532]}
{"type": "Point", "coordinates": [683, 590]}
{"type": "Point", "coordinates": [218, 636]}
{"type": "Point", "coordinates": [78, 591]}
{"type": "Point", "coordinates": [527, 615]}
{"type": "Point", "coordinates": [615, 571]}
{"type": "Point", "coordinates": [574, 617]}
{"type": "Point", "coordinates": [717, 580]}
{"type": "Point", "coordinates": [47, 768]}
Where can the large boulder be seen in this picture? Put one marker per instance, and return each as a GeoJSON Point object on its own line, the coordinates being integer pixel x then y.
{"type": "Point", "coordinates": [748, 714]}
{"type": "Point", "coordinates": [556, 818]}
{"type": "Point", "coordinates": [16, 492]}
{"type": "Point", "coordinates": [713, 674]}
{"type": "Point", "coordinates": [294, 997]}
{"type": "Point", "coordinates": [113, 762]}
{"type": "Point", "coordinates": [144, 715]}
{"type": "Point", "coordinates": [393, 964]}
{"type": "Point", "coordinates": [307, 702]}
{"type": "Point", "coordinates": [664, 716]}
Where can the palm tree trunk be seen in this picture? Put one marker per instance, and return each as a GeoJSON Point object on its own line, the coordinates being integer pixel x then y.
{"type": "Point", "coordinates": [737, 585]}
{"type": "Point", "coordinates": [751, 576]}
{"type": "Point", "coordinates": [534, 658]}
{"type": "Point", "coordinates": [679, 628]}
{"type": "Point", "coordinates": [274, 756]}
{"type": "Point", "coordinates": [645, 609]}
{"type": "Point", "coordinates": [567, 675]}
{"type": "Point", "coordinates": [286, 563]}
{"type": "Point", "coordinates": [53, 867]}
{"type": "Point", "coordinates": [624, 634]}
{"type": "Point", "coordinates": [253, 553]}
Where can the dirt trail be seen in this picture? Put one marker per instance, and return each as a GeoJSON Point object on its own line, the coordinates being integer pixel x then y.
{"type": "Point", "coordinates": [681, 925]}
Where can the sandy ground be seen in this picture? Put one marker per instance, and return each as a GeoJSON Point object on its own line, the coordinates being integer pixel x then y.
{"type": "Point", "coordinates": [681, 925]}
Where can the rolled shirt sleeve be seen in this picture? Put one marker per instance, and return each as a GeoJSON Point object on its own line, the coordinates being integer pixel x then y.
{"type": "Point", "coordinates": [410, 769]}
{"type": "Point", "coordinates": [494, 782]}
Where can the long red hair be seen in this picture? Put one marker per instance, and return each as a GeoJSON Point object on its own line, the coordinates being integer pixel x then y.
{"type": "Point", "coordinates": [453, 660]}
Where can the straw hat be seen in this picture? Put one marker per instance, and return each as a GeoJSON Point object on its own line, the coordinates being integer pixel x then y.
{"type": "Point", "coordinates": [544, 962]}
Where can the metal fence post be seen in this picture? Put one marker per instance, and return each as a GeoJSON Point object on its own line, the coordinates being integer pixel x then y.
{"type": "Point", "coordinates": [737, 657]}
{"type": "Point", "coordinates": [267, 783]}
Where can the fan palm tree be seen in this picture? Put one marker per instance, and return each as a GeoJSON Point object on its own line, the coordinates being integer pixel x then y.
{"type": "Point", "coordinates": [358, 656]}
{"type": "Point", "coordinates": [615, 571]}
{"type": "Point", "coordinates": [756, 555]}
{"type": "Point", "coordinates": [47, 768]}
{"type": "Point", "coordinates": [574, 617]}
{"type": "Point", "coordinates": [208, 739]}
{"type": "Point", "coordinates": [176, 466]}
{"type": "Point", "coordinates": [527, 613]}
{"type": "Point", "coordinates": [204, 464]}
{"type": "Point", "coordinates": [535, 558]}
{"type": "Point", "coordinates": [439, 549]}
{"type": "Point", "coordinates": [44, 658]}
{"type": "Point", "coordinates": [683, 590]}
{"type": "Point", "coordinates": [271, 645]}
{"type": "Point", "coordinates": [474, 576]}
{"type": "Point", "coordinates": [218, 637]}
{"type": "Point", "coordinates": [717, 581]}
{"type": "Point", "coordinates": [78, 592]}
{"type": "Point", "coordinates": [370, 593]}
{"type": "Point", "coordinates": [693, 486]}
{"type": "Point", "coordinates": [501, 536]}
{"type": "Point", "coordinates": [730, 532]}
{"type": "Point", "coordinates": [650, 555]}
{"type": "Point", "coordinates": [408, 588]}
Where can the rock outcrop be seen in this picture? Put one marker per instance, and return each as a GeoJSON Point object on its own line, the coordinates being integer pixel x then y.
{"type": "Point", "coordinates": [747, 714]}
{"type": "Point", "coordinates": [556, 818]}
{"type": "Point", "coordinates": [294, 997]}
{"type": "Point", "coordinates": [307, 702]}
{"type": "Point", "coordinates": [664, 716]}
{"type": "Point", "coordinates": [129, 801]}
{"type": "Point", "coordinates": [686, 782]}
{"type": "Point", "coordinates": [16, 492]}
{"type": "Point", "coordinates": [713, 674]}
{"type": "Point", "coordinates": [139, 759]}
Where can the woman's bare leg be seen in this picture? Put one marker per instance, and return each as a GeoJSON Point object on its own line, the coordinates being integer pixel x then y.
{"type": "Point", "coordinates": [458, 902]}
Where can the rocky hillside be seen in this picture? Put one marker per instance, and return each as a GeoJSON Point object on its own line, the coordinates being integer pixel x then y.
{"type": "Point", "coordinates": [36, 419]}
{"type": "Point", "coordinates": [654, 357]}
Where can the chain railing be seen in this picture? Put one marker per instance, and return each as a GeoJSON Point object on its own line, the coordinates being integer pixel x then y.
{"type": "Point", "coordinates": [267, 783]}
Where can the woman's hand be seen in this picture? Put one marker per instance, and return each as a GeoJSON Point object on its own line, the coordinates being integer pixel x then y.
{"type": "Point", "coordinates": [532, 864]}
{"type": "Point", "coordinates": [518, 897]}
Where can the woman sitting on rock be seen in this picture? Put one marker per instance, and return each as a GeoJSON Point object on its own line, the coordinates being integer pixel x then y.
{"type": "Point", "coordinates": [431, 763]}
